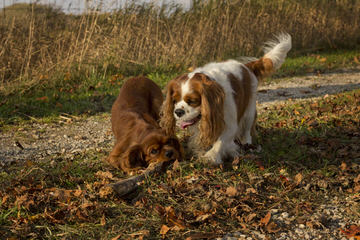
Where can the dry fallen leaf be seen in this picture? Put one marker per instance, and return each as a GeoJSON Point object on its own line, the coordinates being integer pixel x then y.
{"type": "Point", "coordinates": [272, 227]}
{"type": "Point", "coordinates": [176, 165]}
{"type": "Point", "coordinates": [250, 217]}
{"type": "Point", "coordinates": [173, 219]}
{"type": "Point", "coordinates": [164, 229]}
{"type": "Point", "coordinates": [105, 191]}
{"type": "Point", "coordinates": [103, 220]}
{"type": "Point", "coordinates": [104, 175]}
{"type": "Point", "coordinates": [353, 231]}
{"type": "Point", "coordinates": [202, 217]}
{"type": "Point", "coordinates": [343, 166]}
{"type": "Point", "coordinates": [231, 191]}
{"type": "Point", "coordinates": [117, 237]}
{"type": "Point", "coordinates": [43, 99]}
{"type": "Point", "coordinates": [265, 220]}
{"type": "Point", "coordinates": [357, 179]}
{"type": "Point", "coordinates": [298, 178]}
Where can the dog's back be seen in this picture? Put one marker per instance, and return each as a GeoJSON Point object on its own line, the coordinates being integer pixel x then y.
{"type": "Point", "coordinates": [139, 98]}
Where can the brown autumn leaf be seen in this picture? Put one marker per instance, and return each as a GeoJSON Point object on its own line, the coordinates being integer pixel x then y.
{"type": "Point", "coordinates": [20, 200]}
{"type": "Point", "coordinates": [250, 217]}
{"type": "Point", "coordinates": [4, 199]}
{"type": "Point", "coordinates": [164, 229]}
{"type": "Point", "coordinates": [117, 237]}
{"type": "Point", "coordinates": [80, 215]}
{"type": "Point", "coordinates": [272, 228]}
{"type": "Point", "coordinates": [78, 193]}
{"type": "Point", "coordinates": [62, 195]}
{"type": "Point", "coordinates": [265, 220]}
{"type": "Point", "coordinates": [231, 191]}
{"type": "Point", "coordinates": [353, 231]}
{"type": "Point", "coordinates": [176, 165]}
{"type": "Point", "coordinates": [298, 178]}
{"type": "Point", "coordinates": [105, 191]}
{"type": "Point", "coordinates": [104, 175]}
{"type": "Point", "coordinates": [43, 99]}
{"type": "Point", "coordinates": [202, 217]}
{"type": "Point", "coordinates": [173, 219]}
{"type": "Point", "coordinates": [357, 179]}
{"type": "Point", "coordinates": [343, 166]}
{"type": "Point", "coordinates": [103, 220]}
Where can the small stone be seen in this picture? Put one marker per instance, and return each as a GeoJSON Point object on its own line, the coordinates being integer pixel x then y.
{"type": "Point", "coordinates": [302, 226]}
{"type": "Point", "coordinates": [284, 215]}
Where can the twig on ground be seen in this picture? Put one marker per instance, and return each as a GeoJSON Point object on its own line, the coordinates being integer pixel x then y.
{"type": "Point", "coordinates": [128, 185]}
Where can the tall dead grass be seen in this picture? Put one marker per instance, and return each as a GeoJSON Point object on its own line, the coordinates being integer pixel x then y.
{"type": "Point", "coordinates": [39, 44]}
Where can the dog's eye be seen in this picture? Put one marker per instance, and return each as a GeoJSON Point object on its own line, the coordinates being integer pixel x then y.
{"type": "Point", "coordinates": [154, 151]}
{"type": "Point", "coordinates": [191, 102]}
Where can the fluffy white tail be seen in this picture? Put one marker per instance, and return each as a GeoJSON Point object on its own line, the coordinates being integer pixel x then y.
{"type": "Point", "coordinates": [277, 49]}
{"type": "Point", "coordinates": [275, 54]}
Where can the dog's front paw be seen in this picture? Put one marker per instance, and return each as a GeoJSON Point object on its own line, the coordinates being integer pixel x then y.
{"type": "Point", "coordinates": [213, 157]}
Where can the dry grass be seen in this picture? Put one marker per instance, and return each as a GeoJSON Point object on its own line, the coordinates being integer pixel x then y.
{"type": "Point", "coordinates": [51, 45]}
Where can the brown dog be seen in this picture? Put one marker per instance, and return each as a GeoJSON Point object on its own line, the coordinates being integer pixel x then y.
{"type": "Point", "coordinates": [139, 138]}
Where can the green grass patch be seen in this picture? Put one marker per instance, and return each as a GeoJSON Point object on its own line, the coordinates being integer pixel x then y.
{"type": "Point", "coordinates": [78, 93]}
{"type": "Point", "coordinates": [319, 62]}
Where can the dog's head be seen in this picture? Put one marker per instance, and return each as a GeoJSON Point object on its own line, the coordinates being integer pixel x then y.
{"type": "Point", "coordinates": [154, 147]}
{"type": "Point", "coordinates": [194, 100]}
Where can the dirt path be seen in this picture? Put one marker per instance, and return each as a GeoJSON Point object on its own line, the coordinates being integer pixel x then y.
{"type": "Point", "coordinates": [72, 135]}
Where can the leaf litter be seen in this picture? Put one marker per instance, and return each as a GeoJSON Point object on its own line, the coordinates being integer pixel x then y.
{"type": "Point", "coordinates": [302, 168]}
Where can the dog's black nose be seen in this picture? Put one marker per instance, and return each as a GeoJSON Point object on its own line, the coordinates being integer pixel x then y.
{"type": "Point", "coordinates": [169, 153]}
{"type": "Point", "coordinates": [179, 112]}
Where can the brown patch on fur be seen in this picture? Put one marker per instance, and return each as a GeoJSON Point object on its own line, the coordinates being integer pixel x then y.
{"type": "Point", "coordinates": [173, 94]}
{"type": "Point", "coordinates": [212, 121]}
{"type": "Point", "coordinates": [134, 119]}
{"type": "Point", "coordinates": [242, 91]}
{"type": "Point", "coordinates": [261, 68]}
{"type": "Point", "coordinates": [193, 99]}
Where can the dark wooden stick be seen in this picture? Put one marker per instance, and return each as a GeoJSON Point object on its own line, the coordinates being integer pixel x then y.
{"type": "Point", "coordinates": [128, 185]}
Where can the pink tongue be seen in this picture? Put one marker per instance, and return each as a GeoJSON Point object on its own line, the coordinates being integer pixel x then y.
{"type": "Point", "coordinates": [184, 125]}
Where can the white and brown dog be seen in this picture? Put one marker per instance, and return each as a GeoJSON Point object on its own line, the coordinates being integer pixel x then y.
{"type": "Point", "coordinates": [217, 102]}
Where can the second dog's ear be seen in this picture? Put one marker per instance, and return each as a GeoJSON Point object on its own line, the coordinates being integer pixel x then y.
{"type": "Point", "coordinates": [136, 157]}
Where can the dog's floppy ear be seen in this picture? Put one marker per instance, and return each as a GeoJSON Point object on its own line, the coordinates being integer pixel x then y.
{"type": "Point", "coordinates": [134, 157]}
{"type": "Point", "coordinates": [212, 121]}
{"type": "Point", "coordinates": [167, 119]}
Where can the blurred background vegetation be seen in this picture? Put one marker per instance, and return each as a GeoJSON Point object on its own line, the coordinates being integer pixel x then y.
{"type": "Point", "coordinates": [42, 48]}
